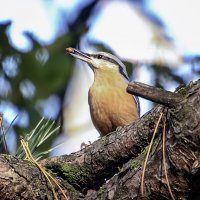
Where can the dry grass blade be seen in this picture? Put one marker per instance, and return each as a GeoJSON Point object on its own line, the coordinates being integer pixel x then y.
{"type": "Point", "coordinates": [148, 152]}
{"type": "Point", "coordinates": [164, 161]}
{"type": "Point", "coordinates": [48, 176]}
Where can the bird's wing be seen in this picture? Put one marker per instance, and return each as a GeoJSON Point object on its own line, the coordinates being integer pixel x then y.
{"type": "Point", "coordinates": [137, 103]}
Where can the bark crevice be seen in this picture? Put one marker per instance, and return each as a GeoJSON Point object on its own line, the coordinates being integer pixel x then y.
{"type": "Point", "coordinates": [111, 167]}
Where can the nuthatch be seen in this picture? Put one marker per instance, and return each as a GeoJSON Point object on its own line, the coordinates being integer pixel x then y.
{"type": "Point", "coordinates": [110, 104]}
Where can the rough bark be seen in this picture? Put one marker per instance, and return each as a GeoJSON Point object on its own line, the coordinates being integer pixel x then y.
{"type": "Point", "coordinates": [158, 95]}
{"type": "Point", "coordinates": [111, 167]}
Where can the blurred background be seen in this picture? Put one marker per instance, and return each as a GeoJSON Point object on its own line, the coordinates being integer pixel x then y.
{"type": "Point", "coordinates": [157, 40]}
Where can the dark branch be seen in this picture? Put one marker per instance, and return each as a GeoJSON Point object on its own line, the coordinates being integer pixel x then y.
{"type": "Point", "coordinates": [113, 158]}
{"type": "Point", "coordinates": [103, 158]}
{"type": "Point", "coordinates": [157, 95]}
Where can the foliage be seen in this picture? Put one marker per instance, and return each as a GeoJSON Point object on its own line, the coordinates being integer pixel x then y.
{"type": "Point", "coordinates": [34, 76]}
{"type": "Point", "coordinates": [37, 138]}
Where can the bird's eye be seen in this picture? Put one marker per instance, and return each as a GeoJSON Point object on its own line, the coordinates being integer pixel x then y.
{"type": "Point", "coordinates": [99, 56]}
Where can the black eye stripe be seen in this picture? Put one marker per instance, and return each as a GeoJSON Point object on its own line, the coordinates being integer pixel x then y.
{"type": "Point", "coordinates": [99, 56]}
{"type": "Point", "coordinates": [121, 69]}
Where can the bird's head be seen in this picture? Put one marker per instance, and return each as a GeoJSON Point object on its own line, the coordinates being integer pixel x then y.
{"type": "Point", "coordinates": [100, 60]}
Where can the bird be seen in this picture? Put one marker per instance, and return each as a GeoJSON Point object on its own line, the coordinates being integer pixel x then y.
{"type": "Point", "coordinates": [111, 106]}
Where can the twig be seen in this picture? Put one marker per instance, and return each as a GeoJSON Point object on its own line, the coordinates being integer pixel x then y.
{"type": "Point", "coordinates": [158, 95]}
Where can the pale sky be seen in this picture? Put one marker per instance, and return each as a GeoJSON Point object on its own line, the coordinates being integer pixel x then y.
{"type": "Point", "coordinates": [180, 17]}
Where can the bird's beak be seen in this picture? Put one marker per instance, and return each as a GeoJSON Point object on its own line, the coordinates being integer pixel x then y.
{"type": "Point", "coordinates": [79, 54]}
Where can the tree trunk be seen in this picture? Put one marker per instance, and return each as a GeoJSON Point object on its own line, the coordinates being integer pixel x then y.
{"type": "Point", "coordinates": [111, 167]}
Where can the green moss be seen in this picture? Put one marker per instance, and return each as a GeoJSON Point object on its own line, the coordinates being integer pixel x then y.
{"type": "Point", "coordinates": [173, 111]}
{"type": "Point", "coordinates": [151, 118]}
{"type": "Point", "coordinates": [182, 115]}
{"type": "Point", "coordinates": [120, 169]}
{"type": "Point", "coordinates": [135, 164]}
{"type": "Point", "coordinates": [105, 141]}
{"type": "Point", "coordinates": [7, 157]}
{"type": "Point", "coordinates": [67, 183]}
{"type": "Point", "coordinates": [101, 190]}
{"type": "Point", "coordinates": [144, 151]}
{"type": "Point", "coordinates": [188, 109]}
{"type": "Point", "coordinates": [74, 173]}
{"type": "Point", "coordinates": [184, 90]}
{"type": "Point", "coordinates": [71, 190]}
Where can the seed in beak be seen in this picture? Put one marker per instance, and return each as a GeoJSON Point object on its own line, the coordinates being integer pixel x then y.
{"type": "Point", "coordinates": [70, 50]}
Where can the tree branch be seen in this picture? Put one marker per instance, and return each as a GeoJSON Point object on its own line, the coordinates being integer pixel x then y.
{"type": "Point", "coordinates": [102, 159]}
{"type": "Point", "coordinates": [169, 99]}
{"type": "Point", "coordinates": [20, 179]}
{"type": "Point", "coordinates": [118, 157]}
{"type": "Point", "coordinates": [182, 153]}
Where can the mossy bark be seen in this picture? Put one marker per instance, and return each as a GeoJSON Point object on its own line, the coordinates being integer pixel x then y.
{"type": "Point", "coordinates": [111, 167]}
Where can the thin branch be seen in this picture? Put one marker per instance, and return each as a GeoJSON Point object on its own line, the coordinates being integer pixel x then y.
{"type": "Point", "coordinates": [169, 99]}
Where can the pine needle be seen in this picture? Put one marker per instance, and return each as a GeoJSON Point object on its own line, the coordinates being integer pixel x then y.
{"type": "Point", "coordinates": [164, 161]}
{"type": "Point", "coordinates": [10, 125]}
{"type": "Point", "coordinates": [3, 132]}
{"type": "Point", "coordinates": [148, 152]}
{"type": "Point", "coordinates": [48, 176]}
{"type": "Point", "coordinates": [37, 137]}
